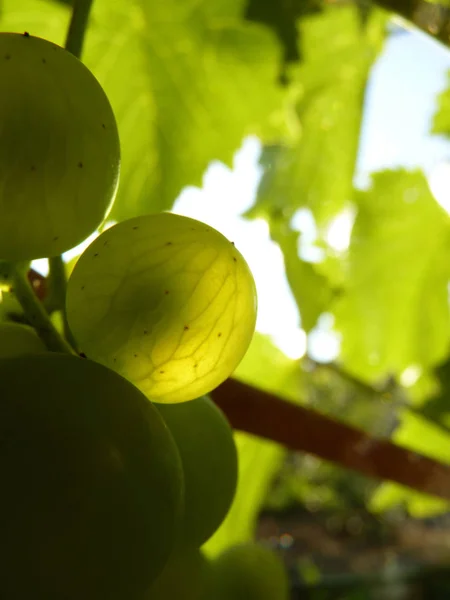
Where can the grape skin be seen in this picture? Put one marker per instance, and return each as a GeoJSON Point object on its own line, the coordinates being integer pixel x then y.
{"type": "Point", "coordinates": [210, 465]}
{"type": "Point", "coordinates": [249, 572]}
{"type": "Point", "coordinates": [17, 339]}
{"type": "Point", "coordinates": [165, 300]}
{"type": "Point", "coordinates": [185, 577]}
{"type": "Point", "coordinates": [59, 149]}
{"type": "Point", "coordinates": [91, 482]}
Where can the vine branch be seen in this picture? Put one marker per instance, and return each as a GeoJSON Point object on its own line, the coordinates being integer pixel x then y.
{"type": "Point", "coordinates": [303, 429]}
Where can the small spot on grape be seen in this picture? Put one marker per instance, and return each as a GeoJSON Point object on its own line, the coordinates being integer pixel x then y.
{"type": "Point", "coordinates": [44, 61]}
{"type": "Point", "coordinates": [104, 126]}
{"type": "Point", "coordinates": [166, 292]}
{"type": "Point", "coordinates": [145, 332]}
{"type": "Point", "coordinates": [136, 227]}
{"type": "Point", "coordinates": [80, 165]}
{"type": "Point", "coordinates": [33, 168]}
{"type": "Point", "coordinates": [192, 228]}
{"type": "Point", "coordinates": [82, 287]}
{"type": "Point", "coordinates": [235, 259]}
{"type": "Point", "coordinates": [106, 243]}
{"type": "Point", "coordinates": [186, 327]}
{"type": "Point", "coordinates": [95, 255]}
{"type": "Point", "coordinates": [219, 334]}
{"type": "Point", "coordinates": [162, 372]}
{"type": "Point", "coordinates": [232, 243]}
{"type": "Point", "coordinates": [26, 34]}
{"type": "Point", "coordinates": [114, 359]}
{"type": "Point", "coordinates": [56, 238]}
{"type": "Point", "coordinates": [83, 355]}
{"type": "Point", "coordinates": [195, 366]}
{"type": "Point", "coordinates": [135, 355]}
{"type": "Point", "coordinates": [168, 243]}
{"type": "Point", "coordinates": [7, 56]}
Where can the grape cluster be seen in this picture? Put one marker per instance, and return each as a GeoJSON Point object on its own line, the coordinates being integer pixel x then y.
{"type": "Point", "coordinates": [116, 466]}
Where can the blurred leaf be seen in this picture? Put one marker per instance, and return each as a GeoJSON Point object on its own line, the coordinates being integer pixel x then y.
{"type": "Point", "coordinates": [317, 169]}
{"type": "Point", "coordinates": [259, 461]}
{"type": "Point", "coordinates": [441, 119]}
{"type": "Point", "coordinates": [394, 312]}
{"type": "Point", "coordinates": [42, 18]}
{"type": "Point", "coordinates": [311, 289]}
{"type": "Point", "coordinates": [188, 81]}
{"type": "Point", "coordinates": [282, 17]}
{"type": "Point", "coordinates": [421, 436]}
{"type": "Point", "coordinates": [266, 367]}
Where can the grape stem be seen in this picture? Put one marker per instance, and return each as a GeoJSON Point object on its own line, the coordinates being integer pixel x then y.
{"type": "Point", "coordinates": [57, 294]}
{"type": "Point", "coordinates": [58, 279]}
{"type": "Point", "coordinates": [36, 313]}
{"type": "Point", "coordinates": [77, 27]}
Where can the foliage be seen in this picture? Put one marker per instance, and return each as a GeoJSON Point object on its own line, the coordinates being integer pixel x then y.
{"type": "Point", "coordinates": [187, 82]}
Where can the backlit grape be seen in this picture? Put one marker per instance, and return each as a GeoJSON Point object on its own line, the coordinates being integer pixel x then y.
{"type": "Point", "coordinates": [91, 482]}
{"type": "Point", "coordinates": [209, 457]}
{"type": "Point", "coordinates": [249, 572]}
{"type": "Point", "coordinates": [166, 301]}
{"type": "Point", "coordinates": [59, 149]}
{"type": "Point", "coordinates": [185, 577]}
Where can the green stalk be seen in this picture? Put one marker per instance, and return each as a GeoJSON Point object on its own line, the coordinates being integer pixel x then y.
{"type": "Point", "coordinates": [77, 27]}
{"type": "Point", "coordinates": [58, 279]}
{"type": "Point", "coordinates": [35, 312]}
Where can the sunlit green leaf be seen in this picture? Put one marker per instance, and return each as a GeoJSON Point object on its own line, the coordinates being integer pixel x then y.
{"type": "Point", "coordinates": [394, 312]}
{"type": "Point", "coordinates": [187, 81]}
{"type": "Point", "coordinates": [441, 119]}
{"type": "Point", "coordinates": [317, 169]}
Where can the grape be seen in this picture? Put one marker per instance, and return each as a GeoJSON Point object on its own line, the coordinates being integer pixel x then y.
{"type": "Point", "coordinates": [17, 339]}
{"type": "Point", "coordinates": [185, 577]}
{"type": "Point", "coordinates": [209, 457]}
{"type": "Point", "coordinates": [249, 572]}
{"type": "Point", "coordinates": [166, 301]}
{"type": "Point", "coordinates": [91, 482]}
{"type": "Point", "coordinates": [59, 149]}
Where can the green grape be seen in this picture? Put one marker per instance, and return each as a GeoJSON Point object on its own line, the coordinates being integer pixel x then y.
{"type": "Point", "coordinates": [210, 465]}
{"type": "Point", "coordinates": [249, 572]}
{"type": "Point", "coordinates": [59, 149]}
{"type": "Point", "coordinates": [186, 576]}
{"type": "Point", "coordinates": [166, 301]}
{"type": "Point", "coordinates": [91, 482]}
{"type": "Point", "coordinates": [17, 339]}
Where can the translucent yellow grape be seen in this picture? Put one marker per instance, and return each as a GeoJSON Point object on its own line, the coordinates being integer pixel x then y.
{"type": "Point", "coordinates": [165, 300]}
{"type": "Point", "coordinates": [59, 149]}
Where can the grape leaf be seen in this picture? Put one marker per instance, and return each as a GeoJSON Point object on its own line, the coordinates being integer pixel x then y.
{"type": "Point", "coordinates": [316, 169]}
{"type": "Point", "coordinates": [441, 119]}
{"type": "Point", "coordinates": [394, 312]}
{"type": "Point", "coordinates": [188, 81]}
